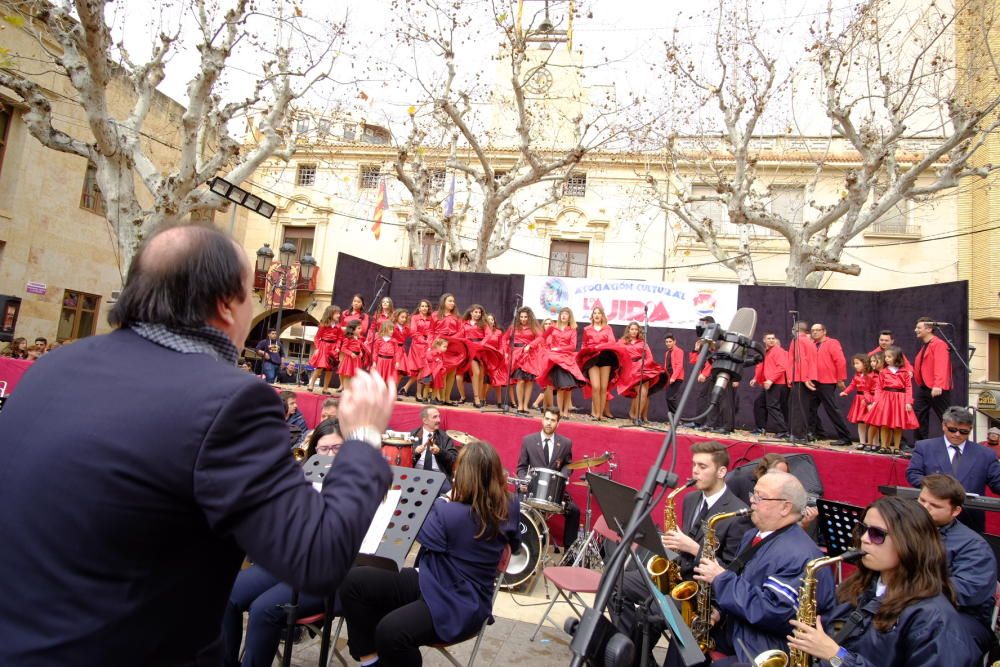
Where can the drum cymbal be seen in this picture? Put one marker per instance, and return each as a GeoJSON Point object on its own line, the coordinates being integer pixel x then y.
{"type": "Point", "coordinates": [589, 462]}
{"type": "Point", "coordinates": [461, 436]}
{"type": "Point", "coordinates": [396, 442]}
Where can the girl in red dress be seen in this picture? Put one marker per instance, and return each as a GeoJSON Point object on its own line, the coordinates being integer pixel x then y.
{"type": "Point", "coordinates": [416, 357]}
{"type": "Point", "coordinates": [432, 375]}
{"type": "Point", "coordinates": [545, 400]}
{"type": "Point", "coordinates": [481, 356]}
{"type": "Point", "coordinates": [863, 385]}
{"type": "Point", "coordinates": [603, 360]}
{"type": "Point", "coordinates": [357, 312]}
{"type": "Point", "coordinates": [401, 334]}
{"type": "Point", "coordinates": [495, 364]}
{"type": "Point", "coordinates": [384, 314]}
{"type": "Point", "coordinates": [386, 353]}
{"type": "Point", "coordinates": [326, 348]}
{"type": "Point", "coordinates": [447, 325]}
{"type": "Point", "coordinates": [561, 370]}
{"type": "Point", "coordinates": [527, 355]}
{"type": "Point", "coordinates": [876, 362]}
{"type": "Point", "coordinates": [892, 407]}
{"type": "Point", "coordinates": [351, 354]}
{"type": "Point", "coordinates": [645, 376]}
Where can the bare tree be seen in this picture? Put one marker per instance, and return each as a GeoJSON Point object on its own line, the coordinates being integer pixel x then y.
{"type": "Point", "coordinates": [896, 101]}
{"type": "Point", "coordinates": [513, 180]}
{"type": "Point", "coordinates": [139, 193]}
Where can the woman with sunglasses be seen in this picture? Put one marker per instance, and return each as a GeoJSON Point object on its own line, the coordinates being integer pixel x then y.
{"type": "Point", "coordinates": [898, 605]}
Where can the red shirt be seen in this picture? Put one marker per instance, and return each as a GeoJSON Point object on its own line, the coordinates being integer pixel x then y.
{"type": "Point", "coordinates": [773, 368]}
{"type": "Point", "coordinates": [932, 367]}
{"type": "Point", "coordinates": [449, 325]}
{"type": "Point", "coordinates": [473, 331]}
{"type": "Point", "coordinates": [706, 369]}
{"type": "Point", "coordinates": [592, 337]}
{"type": "Point", "coordinates": [676, 365]}
{"type": "Point", "coordinates": [802, 359]}
{"type": "Point", "coordinates": [831, 365]}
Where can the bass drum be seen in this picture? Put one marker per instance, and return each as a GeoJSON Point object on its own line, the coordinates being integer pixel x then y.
{"type": "Point", "coordinates": [525, 562]}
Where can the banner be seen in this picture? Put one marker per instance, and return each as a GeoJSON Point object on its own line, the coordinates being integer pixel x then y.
{"type": "Point", "coordinates": [275, 275]}
{"type": "Point", "coordinates": [677, 305]}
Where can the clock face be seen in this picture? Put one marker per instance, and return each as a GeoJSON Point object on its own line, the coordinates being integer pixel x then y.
{"type": "Point", "coordinates": [539, 80]}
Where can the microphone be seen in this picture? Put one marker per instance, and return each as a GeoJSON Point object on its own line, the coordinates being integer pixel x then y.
{"type": "Point", "coordinates": [940, 324]}
{"type": "Point", "coordinates": [384, 278]}
{"type": "Point", "coordinates": [736, 351]}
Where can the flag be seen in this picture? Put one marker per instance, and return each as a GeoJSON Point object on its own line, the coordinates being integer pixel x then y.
{"type": "Point", "coordinates": [449, 203]}
{"type": "Point", "coordinates": [379, 209]}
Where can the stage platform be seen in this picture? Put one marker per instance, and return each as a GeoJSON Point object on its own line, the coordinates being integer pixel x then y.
{"type": "Point", "coordinates": [848, 475]}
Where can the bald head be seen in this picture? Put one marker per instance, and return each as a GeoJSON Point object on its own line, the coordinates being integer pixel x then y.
{"type": "Point", "coordinates": [778, 500]}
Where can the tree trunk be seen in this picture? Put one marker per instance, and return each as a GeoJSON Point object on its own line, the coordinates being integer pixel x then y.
{"type": "Point", "coordinates": [416, 247]}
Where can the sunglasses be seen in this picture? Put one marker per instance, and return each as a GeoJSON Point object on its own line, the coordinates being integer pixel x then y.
{"type": "Point", "coordinates": [963, 431]}
{"type": "Point", "coordinates": [875, 534]}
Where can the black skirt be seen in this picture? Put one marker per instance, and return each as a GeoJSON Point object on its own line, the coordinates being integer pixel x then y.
{"type": "Point", "coordinates": [562, 379]}
{"type": "Point", "coordinates": [604, 358]}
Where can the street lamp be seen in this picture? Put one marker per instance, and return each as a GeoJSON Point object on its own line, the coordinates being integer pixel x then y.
{"type": "Point", "coordinates": [286, 253]}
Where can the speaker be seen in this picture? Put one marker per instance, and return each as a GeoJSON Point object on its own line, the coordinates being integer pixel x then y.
{"type": "Point", "coordinates": [741, 482]}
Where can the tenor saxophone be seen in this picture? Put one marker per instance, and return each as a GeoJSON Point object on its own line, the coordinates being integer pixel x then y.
{"type": "Point", "coordinates": [665, 573]}
{"type": "Point", "coordinates": [806, 613]}
{"type": "Point", "coordinates": [701, 627]}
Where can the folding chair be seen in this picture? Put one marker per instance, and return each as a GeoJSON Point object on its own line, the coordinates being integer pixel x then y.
{"type": "Point", "coordinates": [443, 648]}
{"type": "Point", "coordinates": [573, 579]}
{"type": "Point", "coordinates": [315, 624]}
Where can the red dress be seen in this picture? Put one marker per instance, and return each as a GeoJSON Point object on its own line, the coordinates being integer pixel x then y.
{"type": "Point", "coordinates": [641, 371]}
{"type": "Point", "coordinates": [361, 317]}
{"type": "Point", "coordinates": [433, 371]}
{"type": "Point", "coordinates": [387, 354]}
{"type": "Point", "coordinates": [450, 327]}
{"type": "Point", "coordinates": [893, 392]}
{"type": "Point", "coordinates": [528, 355]}
{"type": "Point", "coordinates": [376, 326]}
{"type": "Point", "coordinates": [326, 347]}
{"type": "Point", "coordinates": [420, 331]}
{"type": "Point", "coordinates": [601, 349]}
{"type": "Point", "coordinates": [864, 385]}
{"type": "Point", "coordinates": [560, 353]}
{"type": "Point", "coordinates": [489, 357]}
{"type": "Point", "coordinates": [352, 356]}
{"type": "Point", "coordinates": [495, 361]}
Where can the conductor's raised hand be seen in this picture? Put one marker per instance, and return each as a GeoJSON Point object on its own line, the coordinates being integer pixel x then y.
{"type": "Point", "coordinates": [367, 403]}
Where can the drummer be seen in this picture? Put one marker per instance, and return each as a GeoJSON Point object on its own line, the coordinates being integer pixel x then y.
{"type": "Point", "coordinates": [555, 452]}
{"type": "Point", "coordinates": [432, 448]}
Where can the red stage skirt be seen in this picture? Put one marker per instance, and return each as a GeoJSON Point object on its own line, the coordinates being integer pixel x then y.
{"type": "Point", "coordinates": [653, 373]}
{"type": "Point", "coordinates": [890, 411]}
{"type": "Point", "coordinates": [605, 354]}
{"type": "Point", "coordinates": [324, 356]}
{"type": "Point", "coordinates": [859, 410]}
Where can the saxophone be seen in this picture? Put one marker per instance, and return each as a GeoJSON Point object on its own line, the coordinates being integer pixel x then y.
{"type": "Point", "coordinates": [806, 613]}
{"type": "Point", "coordinates": [702, 624]}
{"type": "Point", "coordinates": [665, 573]}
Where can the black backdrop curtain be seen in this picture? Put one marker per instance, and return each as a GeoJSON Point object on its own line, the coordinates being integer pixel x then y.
{"type": "Point", "coordinates": [852, 317]}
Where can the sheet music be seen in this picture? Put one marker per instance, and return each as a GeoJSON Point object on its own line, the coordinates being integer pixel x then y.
{"type": "Point", "coordinates": [383, 515]}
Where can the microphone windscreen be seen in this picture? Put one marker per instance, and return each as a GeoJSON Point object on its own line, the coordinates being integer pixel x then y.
{"type": "Point", "coordinates": [744, 322]}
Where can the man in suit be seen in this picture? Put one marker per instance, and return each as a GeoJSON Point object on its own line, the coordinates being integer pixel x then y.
{"type": "Point", "coordinates": [973, 465]}
{"type": "Point", "coordinates": [931, 377]}
{"type": "Point", "coordinates": [548, 449]}
{"type": "Point", "coordinates": [434, 450]}
{"type": "Point", "coordinates": [136, 506]}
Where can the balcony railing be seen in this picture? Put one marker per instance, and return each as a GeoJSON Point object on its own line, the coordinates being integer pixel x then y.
{"type": "Point", "coordinates": [893, 228]}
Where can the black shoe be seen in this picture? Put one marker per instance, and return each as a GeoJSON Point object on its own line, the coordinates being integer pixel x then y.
{"type": "Point", "coordinates": [758, 431]}
{"type": "Point", "coordinates": [798, 441]}
{"type": "Point", "coordinates": [781, 436]}
{"type": "Point", "coordinates": [435, 401]}
{"type": "Point", "coordinates": [842, 442]}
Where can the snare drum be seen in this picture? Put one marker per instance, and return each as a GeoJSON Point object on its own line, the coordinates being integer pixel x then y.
{"type": "Point", "coordinates": [526, 561]}
{"type": "Point", "coordinates": [398, 452]}
{"type": "Point", "coordinates": [545, 490]}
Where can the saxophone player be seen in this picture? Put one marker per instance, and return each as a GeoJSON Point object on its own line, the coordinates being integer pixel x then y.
{"type": "Point", "coordinates": [757, 594]}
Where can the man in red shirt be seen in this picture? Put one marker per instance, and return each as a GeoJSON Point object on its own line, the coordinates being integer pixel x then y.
{"type": "Point", "coordinates": [801, 378]}
{"type": "Point", "coordinates": [769, 406]}
{"type": "Point", "coordinates": [885, 340]}
{"type": "Point", "coordinates": [831, 375]}
{"type": "Point", "coordinates": [673, 361]}
{"type": "Point", "coordinates": [932, 376]}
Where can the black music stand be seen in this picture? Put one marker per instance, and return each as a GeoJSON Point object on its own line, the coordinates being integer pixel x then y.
{"type": "Point", "coordinates": [837, 524]}
{"type": "Point", "coordinates": [418, 491]}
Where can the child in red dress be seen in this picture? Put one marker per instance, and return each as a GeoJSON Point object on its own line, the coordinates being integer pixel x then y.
{"type": "Point", "coordinates": [862, 383]}
{"type": "Point", "coordinates": [434, 371]}
{"type": "Point", "coordinates": [386, 353]}
{"type": "Point", "coordinates": [326, 348]}
{"type": "Point", "coordinates": [892, 407]}
{"type": "Point", "coordinates": [351, 354]}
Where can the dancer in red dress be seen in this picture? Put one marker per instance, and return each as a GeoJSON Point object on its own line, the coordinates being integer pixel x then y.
{"type": "Point", "coordinates": [386, 353]}
{"type": "Point", "coordinates": [384, 314]}
{"type": "Point", "coordinates": [496, 365]}
{"type": "Point", "coordinates": [561, 370]}
{"type": "Point", "coordinates": [862, 383]}
{"type": "Point", "coordinates": [416, 357]}
{"type": "Point", "coordinates": [545, 399]}
{"type": "Point", "coordinates": [352, 354]}
{"type": "Point", "coordinates": [447, 325]}
{"type": "Point", "coordinates": [434, 371]}
{"type": "Point", "coordinates": [357, 312]}
{"type": "Point", "coordinates": [326, 348]}
{"type": "Point", "coordinates": [527, 355]}
{"type": "Point", "coordinates": [603, 360]}
{"type": "Point", "coordinates": [481, 355]}
{"type": "Point", "coordinates": [645, 376]}
{"type": "Point", "coordinates": [892, 409]}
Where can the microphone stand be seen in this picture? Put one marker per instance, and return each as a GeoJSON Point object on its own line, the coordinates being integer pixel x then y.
{"type": "Point", "coordinates": [371, 309]}
{"type": "Point", "coordinates": [637, 422]}
{"type": "Point", "coordinates": [505, 406]}
{"type": "Point", "coordinates": [936, 328]}
{"type": "Point", "coordinates": [593, 629]}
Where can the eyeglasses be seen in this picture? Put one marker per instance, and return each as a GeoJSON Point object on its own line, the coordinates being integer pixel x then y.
{"type": "Point", "coordinates": [875, 534]}
{"type": "Point", "coordinates": [963, 431]}
{"type": "Point", "coordinates": [757, 498]}
{"type": "Point", "coordinates": [326, 450]}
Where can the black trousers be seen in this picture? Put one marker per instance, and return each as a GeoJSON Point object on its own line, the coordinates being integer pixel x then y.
{"type": "Point", "coordinates": [672, 392]}
{"type": "Point", "coordinates": [724, 414]}
{"type": "Point", "coordinates": [798, 409]}
{"type": "Point", "coordinates": [702, 394]}
{"type": "Point", "coordinates": [769, 409]}
{"type": "Point", "coordinates": [572, 516]}
{"type": "Point", "coordinates": [386, 615]}
{"type": "Point", "coordinates": [923, 403]}
{"type": "Point", "coordinates": [826, 396]}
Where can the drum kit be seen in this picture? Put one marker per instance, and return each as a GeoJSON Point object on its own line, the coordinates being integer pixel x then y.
{"type": "Point", "coordinates": [542, 499]}
{"type": "Point", "coordinates": [397, 446]}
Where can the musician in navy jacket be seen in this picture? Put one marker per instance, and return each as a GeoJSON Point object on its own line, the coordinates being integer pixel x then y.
{"type": "Point", "coordinates": [758, 594]}
{"type": "Point", "coordinates": [977, 467]}
{"type": "Point", "coordinates": [137, 468]}
{"type": "Point", "coordinates": [897, 606]}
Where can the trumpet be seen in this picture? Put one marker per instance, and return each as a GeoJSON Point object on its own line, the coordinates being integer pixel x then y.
{"type": "Point", "coordinates": [666, 574]}
{"type": "Point", "coordinates": [299, 454]}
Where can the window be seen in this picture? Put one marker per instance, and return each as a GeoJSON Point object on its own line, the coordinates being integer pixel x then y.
{"type": "Point", "coordinates": [6, 116]}
{"type": "Point", "coordinates": [373, 134]}
{"type": "Point", "coordinates": [994, 358]}
{"type": "Point", "coordinates": [569, 258]}
{"type": "Point", "coordinates": [369, 176]}
{"type": "Point", "coordinates": [349, 133]}
{"type": "Point", "coordinates": [302, 125]}
{"type": "Point", "coordinates": [895, 221]}
{"type": "Point", "coordinates": [322, 127]}
{"type": "Point", "coordinates": [788, 202]}
{"type": "Point", "coordinates": [91, 197]}
{"type": "Point", "coordinates": [79, 315]}
{"type": "Point", "coordinates": [302, 239]}
{"type": "Point", "coordinates": [305, 175]}
{"type": "Point", "coordinates": [575, 185]}
{"type": "Point", "coordinates": [438, 179]}
{"type": "Point", "coordinates": [204, 215]}
{"type": "Point", "coordinates": [432, 252]}
{"type": "Point", "coordinates": [713, 210]}
{"type": "Point", "coordinates": [498, 176]}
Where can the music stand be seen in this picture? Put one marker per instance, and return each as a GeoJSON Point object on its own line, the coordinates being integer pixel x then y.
{"type": "Point", "coordinates": [837, 522]}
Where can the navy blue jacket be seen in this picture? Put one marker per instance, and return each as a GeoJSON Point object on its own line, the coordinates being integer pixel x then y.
{"type": "Point", "coordinates": [457, 571]}
{"type": "Point", "coordinates": [132, 480]}
{"type": "Point", "coordinates": [765, 596]}
{"type": "Point", "coordinates": [927, 634]}
{"type": "Point", "coordinates": [973, 570]}
{"type": "Point", "coordinates": [978, 469]}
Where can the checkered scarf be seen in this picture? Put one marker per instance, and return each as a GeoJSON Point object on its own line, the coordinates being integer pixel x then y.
{"type": "Point", "coordinates": [190, 340]}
